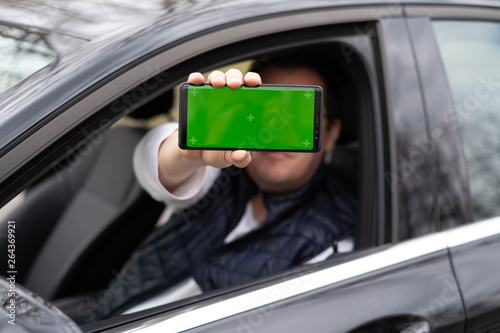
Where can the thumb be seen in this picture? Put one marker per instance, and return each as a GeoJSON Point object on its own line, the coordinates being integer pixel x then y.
{"type": "Point", "coordinates": [241, 158]}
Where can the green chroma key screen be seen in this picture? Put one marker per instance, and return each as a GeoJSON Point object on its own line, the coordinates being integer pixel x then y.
{"type": "Point", "coordinates": [267, 117]}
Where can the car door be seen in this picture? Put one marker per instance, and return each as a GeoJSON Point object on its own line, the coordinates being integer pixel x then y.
{"type": "Point", "coordinates": [401, 279]}
{"type": "Point", "coordinates": [400, 276]}
{"type": "Point", "coordinates": [468, 48]}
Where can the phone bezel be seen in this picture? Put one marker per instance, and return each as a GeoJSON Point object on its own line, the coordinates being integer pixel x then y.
{"type": "Point", "coordinates": [318, 119]}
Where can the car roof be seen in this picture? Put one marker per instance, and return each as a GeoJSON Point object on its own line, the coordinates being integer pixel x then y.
{"type": "Point", "coordinates": [88, 20]}
{"type": "Point", "coordinates": [112, 34]}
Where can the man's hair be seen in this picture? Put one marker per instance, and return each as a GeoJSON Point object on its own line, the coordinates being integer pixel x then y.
{"type": "Point", "coordinates": [307, 59]}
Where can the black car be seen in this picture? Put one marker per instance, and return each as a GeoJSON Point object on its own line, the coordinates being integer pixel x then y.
{"type": "Point", "coordinates": [81, 83]}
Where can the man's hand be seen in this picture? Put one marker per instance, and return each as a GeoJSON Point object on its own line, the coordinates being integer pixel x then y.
{"type": "Point", "coordinates": [176, 165]}
{"type": "Point", "coordinates": [233, 78]}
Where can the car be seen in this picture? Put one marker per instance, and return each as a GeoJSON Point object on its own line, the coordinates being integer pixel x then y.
{"type": "Point", "coordinates": [81, 83]}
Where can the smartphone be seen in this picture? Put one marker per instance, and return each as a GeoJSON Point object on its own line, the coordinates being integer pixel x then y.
{"type": "Point", "coordinates": [268, 117]}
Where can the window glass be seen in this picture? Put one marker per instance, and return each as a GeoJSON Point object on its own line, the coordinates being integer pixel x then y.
{"type": "Point", "coordinates": [19, 58]}
{"type": "Point", "coordinates": [471, 57]}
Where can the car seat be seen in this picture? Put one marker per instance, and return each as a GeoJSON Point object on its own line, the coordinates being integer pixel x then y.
{"type": "Point", "coordinates": [78, 225]}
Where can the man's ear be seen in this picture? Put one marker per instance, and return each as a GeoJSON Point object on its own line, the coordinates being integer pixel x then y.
{"type": "Point", "coordinates": [331, 135]}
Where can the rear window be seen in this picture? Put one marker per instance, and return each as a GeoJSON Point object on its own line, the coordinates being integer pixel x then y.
{"type": "Point", "coordinates": [471, 56]}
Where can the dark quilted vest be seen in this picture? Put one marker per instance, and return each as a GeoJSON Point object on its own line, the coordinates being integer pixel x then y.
{"type": "Point", "coordinates": [300, 224]}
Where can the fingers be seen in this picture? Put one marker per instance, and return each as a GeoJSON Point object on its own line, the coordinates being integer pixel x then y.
{"type": "Point", "coordinates": [223, 159]}
{"type": "Point", "coordinates": [217, 79]}
{"type": "Point", "coordinates": [241, 158]}
{"type": "Point", "coordinates": [234, 78]}
{"type": "Point", "coordinates": [252, 79]}
{"type": "Point", "coordinates": [196, 78]}
{"type": "Point", "coordinates": [218, 159]}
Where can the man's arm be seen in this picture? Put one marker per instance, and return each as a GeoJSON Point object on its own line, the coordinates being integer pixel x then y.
{"type": "Point", "coordinates": [175, 165]}
{"type": "Point", "coordinates": [146, 171]}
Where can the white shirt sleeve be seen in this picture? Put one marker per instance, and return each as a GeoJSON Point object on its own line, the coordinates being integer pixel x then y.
{"type": "Point", "coordinates": [146, 171]}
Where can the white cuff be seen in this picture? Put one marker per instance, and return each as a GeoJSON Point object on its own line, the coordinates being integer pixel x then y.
{"type": "Point", "coordinates": [146, 171]}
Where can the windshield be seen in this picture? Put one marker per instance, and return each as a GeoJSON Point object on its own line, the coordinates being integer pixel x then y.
{"type": "Point", "coordinates": [21, 54]}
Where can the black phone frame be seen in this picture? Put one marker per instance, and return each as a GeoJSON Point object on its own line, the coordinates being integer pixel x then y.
{"type": "Point", "coordinates": [318, 119]}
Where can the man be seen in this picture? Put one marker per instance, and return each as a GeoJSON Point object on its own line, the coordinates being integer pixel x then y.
{"type": "Point", "coordinates": [238, 215]}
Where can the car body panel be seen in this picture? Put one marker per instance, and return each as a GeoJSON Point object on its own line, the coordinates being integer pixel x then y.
{"type": "Point", "coordinates": [412, 280]}
{"type": "Point", "coordinates": [475, 252]}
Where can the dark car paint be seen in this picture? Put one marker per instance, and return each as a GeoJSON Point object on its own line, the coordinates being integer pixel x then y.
{"type": "Point", "coordinates": [393, 297]}
{"type": "Point", "coordinates": [413, 118]}
{"type": "Point", "coordinates": [476, 267]}
{"type": "Point", "coordinates": [407, 293]}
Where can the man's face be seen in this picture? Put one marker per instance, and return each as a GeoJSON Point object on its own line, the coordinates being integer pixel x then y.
{"type": "Point", "coordinates": [284, 171]}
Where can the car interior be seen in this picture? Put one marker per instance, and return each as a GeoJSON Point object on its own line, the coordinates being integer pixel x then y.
{"type": "Point", "coordinates": [83, 218]}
